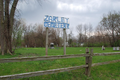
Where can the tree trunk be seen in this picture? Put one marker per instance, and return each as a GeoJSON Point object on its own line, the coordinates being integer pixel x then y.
{"type": "Point", "coordinates": [7, 26]}
{"type": "Point", "coordinates": [2, 27]}
{"type": "Point", "coordinates": [0, 19]}
{"type": "Point", "coordinates": [12, 13]}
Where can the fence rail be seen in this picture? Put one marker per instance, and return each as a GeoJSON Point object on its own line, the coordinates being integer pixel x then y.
{"type": "Point", "coordinates": [105, 54]}
{"type": "Point", "coordinates": [38, 73]}
{"type": "Point", "coordinates": [21, 59]}
{"type": "Point", "coordinates": [88, 64]}
{"type": "Point", "coordinates": [103, 63]}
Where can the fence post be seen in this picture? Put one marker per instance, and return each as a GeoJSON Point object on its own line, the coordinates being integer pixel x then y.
{"type": "Point", "coordinates": [87, 60]}
{"type": "Point", "coordinates": [90, 62]}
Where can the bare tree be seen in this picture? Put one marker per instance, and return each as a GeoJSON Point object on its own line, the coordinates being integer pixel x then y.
{"type": "Point", "coordinates": [80, 32]}
{"type": "Point", "coordinates": [17, 33]}
{"type": "Point", "coordinates": [90, 30]}
{"type": "Point", "coordinates": [7, 20]}
{"type": "Point", "coordinates": [85, 29]}
{"type": "Point", "coordinates": [1, 27]}
{"type": "Point", "coordinates": [7, 13]}
{"type": "Point", "coordinates": [89, 34]}
{"type": "Point", "coordinates": [111, 24]}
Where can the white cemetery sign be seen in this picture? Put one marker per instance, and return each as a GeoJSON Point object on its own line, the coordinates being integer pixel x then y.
{"type": "Point", "coordinates": [56, 22]}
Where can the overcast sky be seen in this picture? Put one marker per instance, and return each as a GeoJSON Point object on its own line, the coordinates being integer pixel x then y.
{"type": "Point", "coordinates": [78, 11]}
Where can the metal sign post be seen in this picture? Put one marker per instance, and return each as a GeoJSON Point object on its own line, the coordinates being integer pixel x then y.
{"type": "Point", "coordinates": [64, 38]}
{"type": "Point", "coordinates": [46, 41]}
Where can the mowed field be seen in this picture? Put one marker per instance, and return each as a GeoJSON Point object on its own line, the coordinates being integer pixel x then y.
{"type": "Point", "coordinates": [103, 72]}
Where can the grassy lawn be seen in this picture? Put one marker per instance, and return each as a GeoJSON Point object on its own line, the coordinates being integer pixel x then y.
{"type": "Point", "coordinates": [104, 72]}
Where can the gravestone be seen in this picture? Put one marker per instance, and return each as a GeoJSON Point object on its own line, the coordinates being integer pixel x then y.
{"type": "Point", "coordinates": [51, 45]}
{"type": "Point", "coordinates": [117, 48]}
{"type": "Point", "coordinates": [103, 48]}
{"type": "Point", "coordinates": [114, 48]}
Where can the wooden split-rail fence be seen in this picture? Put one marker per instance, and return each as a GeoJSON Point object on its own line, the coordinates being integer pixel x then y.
{"type": "Point", "coordinates": [87, 65]}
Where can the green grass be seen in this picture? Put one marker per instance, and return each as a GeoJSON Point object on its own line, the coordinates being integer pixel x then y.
{"type": "Point", "coordinates": [104, 72]}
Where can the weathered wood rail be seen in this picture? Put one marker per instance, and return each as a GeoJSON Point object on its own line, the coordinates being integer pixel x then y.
{"type": "Point", "coordinates": [103, 63]}
{"type": "Point", "coordinates": [38, 73]}
{"type": "Point", "coordinates": [21, 59]}
{"type": "Point", "coordinates": [88, 64]}
{"type": "Point", "coordinates": [105, 54]}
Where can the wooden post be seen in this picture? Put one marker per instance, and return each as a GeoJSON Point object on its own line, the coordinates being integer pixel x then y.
{"type": "Point", "coordinates": [87, 60]}
{"type": "Point", "coordinates": [64, 38]}
{"type": "Point", "coordinates": [46, 41]}
{"type": "Point", "coordinates": [90, 62]}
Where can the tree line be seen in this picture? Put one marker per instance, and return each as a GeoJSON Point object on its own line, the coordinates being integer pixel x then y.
{"type": "Point", "coordinates": [33, 35]}
{"type": "Point", "coordinates": [107, 33]}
